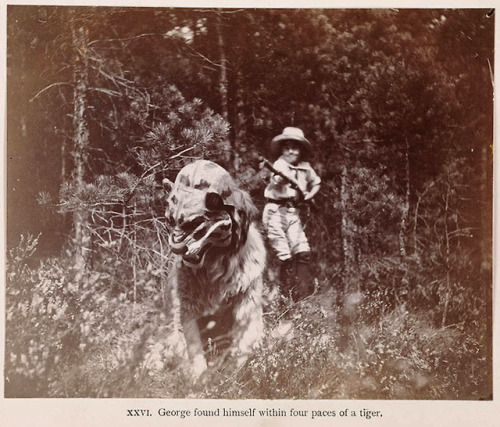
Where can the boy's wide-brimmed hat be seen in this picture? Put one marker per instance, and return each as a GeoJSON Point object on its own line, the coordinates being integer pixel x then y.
{"type": "Point", "coordinates": [290, 134]}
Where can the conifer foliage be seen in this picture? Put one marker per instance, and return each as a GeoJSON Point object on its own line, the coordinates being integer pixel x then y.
{"type": "Point", "coordinates": [106, 105]}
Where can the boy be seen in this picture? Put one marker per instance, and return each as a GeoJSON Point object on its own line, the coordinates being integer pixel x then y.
{"type": "Point", "coordinates": [295, 181]}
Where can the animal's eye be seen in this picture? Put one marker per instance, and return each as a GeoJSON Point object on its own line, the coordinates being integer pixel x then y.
{"type": "Point", "coordinates": [214, 202]}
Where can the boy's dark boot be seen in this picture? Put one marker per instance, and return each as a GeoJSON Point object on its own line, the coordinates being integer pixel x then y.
{"type": "Point", "coordinates": [304, 280]}
{"type": "Point", "coordinates": [287, 275]}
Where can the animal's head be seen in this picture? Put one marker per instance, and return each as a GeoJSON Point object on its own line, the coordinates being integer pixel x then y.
{"type": "Point", "coordinates": [206, 211]}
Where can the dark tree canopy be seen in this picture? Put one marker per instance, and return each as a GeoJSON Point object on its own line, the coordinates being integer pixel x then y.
{"type": "Point", "coordinates": [106, 104]}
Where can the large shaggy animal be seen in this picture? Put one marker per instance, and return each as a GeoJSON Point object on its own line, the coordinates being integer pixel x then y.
{"type": "Point", "coordinates": [219, 257]}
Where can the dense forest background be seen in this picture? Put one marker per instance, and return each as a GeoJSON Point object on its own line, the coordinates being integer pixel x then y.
{"type": "Point", "coordinates": [105, 103]}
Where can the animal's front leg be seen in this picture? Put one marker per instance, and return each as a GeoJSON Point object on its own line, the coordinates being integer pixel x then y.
{"type": "Point", "coordinates": [178, 279]}
{"type": "Point", "coordinates": [248, 327]}
{"type": "Point", "coordinates": [194, 347]}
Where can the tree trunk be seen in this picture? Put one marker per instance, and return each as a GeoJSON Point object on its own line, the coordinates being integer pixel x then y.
{"type": "Point", "coordinates": [486, 237]}
{"type": "Point", "coordinates": [447, 284]}
{"type": "Point", "coordinates": [348, 232]}
{"type": "Point", "coordinates": [405, 218]}
{"type": "Point", "coordinates": [233, 116]}
{"type": "Point", "coordinates": [405, 211]}
{"type": "Point", "coordinates": [80, 141]}
{"type": "Point", "coordinates": [224, 82]}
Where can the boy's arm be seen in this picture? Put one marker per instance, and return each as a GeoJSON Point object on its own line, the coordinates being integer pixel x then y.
{"type": "Point", "coordinates": [314, 190]}
{"type": "Point", "coordinates": [280, 176]}
{"type": "Point", "coordinates": [314, 184]}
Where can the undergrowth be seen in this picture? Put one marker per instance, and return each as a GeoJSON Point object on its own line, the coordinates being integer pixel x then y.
{"type": "Point", "coordinates": [70, 340]}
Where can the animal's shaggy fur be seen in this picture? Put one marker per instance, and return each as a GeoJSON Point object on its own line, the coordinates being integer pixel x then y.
{"type": "Point", "coordinates": [219, 257]}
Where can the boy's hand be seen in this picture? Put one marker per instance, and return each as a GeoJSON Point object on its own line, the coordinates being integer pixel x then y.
{"type": "Point", "coordinates": [310, 194]}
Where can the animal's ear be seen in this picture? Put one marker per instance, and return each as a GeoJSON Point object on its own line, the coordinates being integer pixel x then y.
{"type": "Point", "coordinates": [244, 224]}
{"type": "Point", "coordinates": [214, 202]}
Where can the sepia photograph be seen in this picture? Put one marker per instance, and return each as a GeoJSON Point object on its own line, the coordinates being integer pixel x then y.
{"type": "Point", "coordinates": [249, 204]}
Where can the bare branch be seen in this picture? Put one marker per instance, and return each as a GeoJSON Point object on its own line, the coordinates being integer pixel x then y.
{"type": "Point", "coordinates": [491, 74]}
{"type": "Point", "coordinates": [127, 39]}
{"type": "Point", "coordinates": [182, 152]}
{"type": "Point", "coordinates": [49, 87]}
{"type": "Point", "coordinates": [196, 53]}
{"type": "Point", "coordinates": [106, 91]}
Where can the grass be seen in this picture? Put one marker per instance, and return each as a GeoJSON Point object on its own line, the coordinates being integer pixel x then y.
{"type": "Point", "coordinates": [307, 354]}
{"type": "Point", "coordinates": [68, 342]}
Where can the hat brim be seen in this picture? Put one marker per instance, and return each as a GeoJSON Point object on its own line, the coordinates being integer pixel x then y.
{"type": "Point", "coordinates": [277, 141]}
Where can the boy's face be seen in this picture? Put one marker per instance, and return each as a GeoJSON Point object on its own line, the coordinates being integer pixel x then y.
{"type": "Point", "coordinates": [291, 152]}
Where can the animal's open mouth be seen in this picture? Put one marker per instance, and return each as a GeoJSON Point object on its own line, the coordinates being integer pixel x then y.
{"type": "Point", "coordinates": [193, 246]}
{"type": "Point", "coordinates": [195, 260]}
